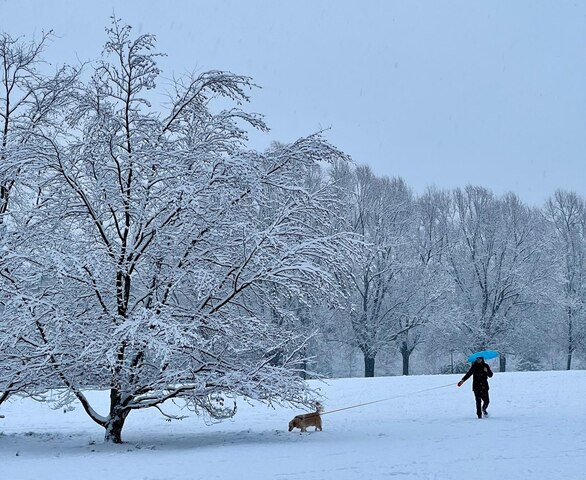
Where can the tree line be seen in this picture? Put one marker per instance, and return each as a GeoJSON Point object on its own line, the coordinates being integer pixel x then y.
{"type": "Point", "coordinates": [457, 271]}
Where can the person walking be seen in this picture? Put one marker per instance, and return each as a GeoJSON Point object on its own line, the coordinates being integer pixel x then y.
{"type": "Point", "coordinates": [480, 373]}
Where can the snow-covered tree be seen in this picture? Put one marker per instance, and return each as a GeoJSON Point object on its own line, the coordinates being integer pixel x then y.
{"type": "Point", "coordinates": [156, 235]}
{"type": "Point", "coordinates": [426, 277]}
{"type": "Point", "coordinates": [493, 261]}
{"type": "Point", "coordinates": [30, 100]}
{"type": "Point", "coordinates": [566, 215]}
{"type": "Point", "coordinates": [381, 216]}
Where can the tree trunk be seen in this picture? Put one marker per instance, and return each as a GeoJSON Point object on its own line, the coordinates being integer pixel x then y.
{"type": "Point", "coordinates": [114, 427]}
{"type": "Point", "coordinates": [4, 396]}
{"type": "Point", "coordinates": [502, 363]}
{"type": "Point", "coordinates": [116, 418]}
{"type": "Point", "coordinates": [570, 340]}
{"type": "Point", "coordinates": [406, 354]}
{"type": "Point", "coordinates": [368, 365]}
{"type": "Point", "coordinates": [304, 366]}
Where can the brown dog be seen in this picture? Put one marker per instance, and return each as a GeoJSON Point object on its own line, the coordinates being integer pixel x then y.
{"type": "Point", "coordinates": [312, 419]}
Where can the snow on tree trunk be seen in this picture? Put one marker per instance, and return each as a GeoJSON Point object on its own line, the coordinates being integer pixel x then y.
{"type": "Point", "coordinates": [114, 427]}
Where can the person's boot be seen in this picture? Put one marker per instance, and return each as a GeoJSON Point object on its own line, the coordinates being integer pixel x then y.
{"type": "Point", "coordinates": [484, 412]}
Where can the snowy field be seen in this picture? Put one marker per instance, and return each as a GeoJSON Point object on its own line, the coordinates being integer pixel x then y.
{"type": "Point", "coordinates": [536, 430]}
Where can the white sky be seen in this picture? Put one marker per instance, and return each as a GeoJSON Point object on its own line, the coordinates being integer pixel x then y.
{"type": "Point", "coordinates": [448, 93]}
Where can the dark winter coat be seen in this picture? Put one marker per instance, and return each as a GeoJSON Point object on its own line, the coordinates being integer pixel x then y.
{"type": "Point", "coordinates": [480, 373]}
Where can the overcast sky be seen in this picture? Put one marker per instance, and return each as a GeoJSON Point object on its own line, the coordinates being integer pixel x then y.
{"type": "Point", "coordinates": [443, 93]}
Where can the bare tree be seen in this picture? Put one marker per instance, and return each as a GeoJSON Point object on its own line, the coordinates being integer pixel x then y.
{"type": "Point", "coordinates": [566, 215]}
{"type": "Point", "coordinates": [426, 277]}
{"type": "Point", "coordinates": [493, 263]}
{"type": "Point", "coordinates": [30, 101]}
{"type": "Point", "coordinates": [381, 216]}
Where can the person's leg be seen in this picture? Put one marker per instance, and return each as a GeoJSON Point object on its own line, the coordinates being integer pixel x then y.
{"type": "Point", "coordinates": [485, 401]}
{"type": "Point", "coordinates": [478, 397]}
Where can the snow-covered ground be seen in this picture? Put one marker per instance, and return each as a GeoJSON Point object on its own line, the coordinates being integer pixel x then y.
{"type": "Point", "coordinates": [536, 430]}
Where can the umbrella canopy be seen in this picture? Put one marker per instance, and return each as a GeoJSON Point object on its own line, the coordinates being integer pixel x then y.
{"type": "Point", "coordinates": [486, 354]}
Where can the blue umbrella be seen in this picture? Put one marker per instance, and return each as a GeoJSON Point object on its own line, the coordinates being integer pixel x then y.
{"type": "Point", "coordinates": [486, 354]}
